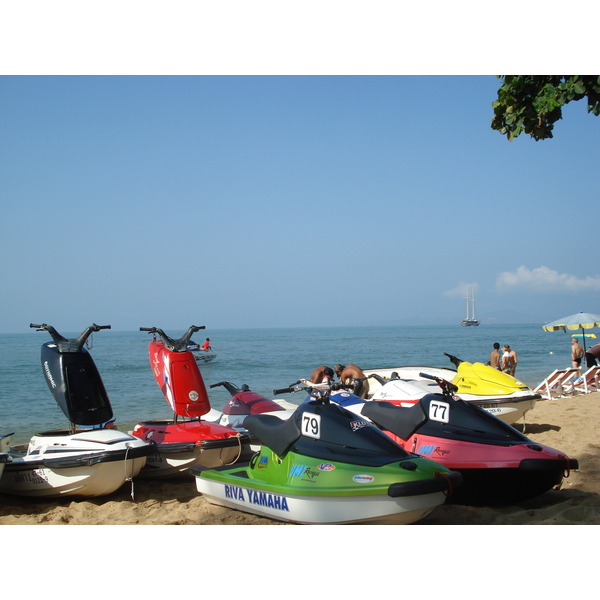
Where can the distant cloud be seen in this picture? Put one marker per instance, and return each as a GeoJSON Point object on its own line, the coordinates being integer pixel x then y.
{"type": "Point", "coordinates": [543, 279]}
{"type": "Point", "coordinates": [460, 291]}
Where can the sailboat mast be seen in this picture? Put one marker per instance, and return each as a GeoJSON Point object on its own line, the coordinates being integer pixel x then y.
{"type": "Point", "coordinates": [467, 303]}
{"type": "Point", "coordinates": [470, 319]}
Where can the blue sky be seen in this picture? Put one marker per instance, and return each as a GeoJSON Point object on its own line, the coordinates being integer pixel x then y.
{"type": "Point", "coordinates": [249, 201]}
{"type": "Point", "coordinates": [242, 200]}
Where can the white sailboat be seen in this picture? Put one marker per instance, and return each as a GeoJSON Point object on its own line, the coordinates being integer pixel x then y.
{"type": "Point", "coordinates": [470, 320]}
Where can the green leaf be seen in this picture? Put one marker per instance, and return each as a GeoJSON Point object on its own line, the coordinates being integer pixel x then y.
{"type": "Point", "coordinates": [532, 103]}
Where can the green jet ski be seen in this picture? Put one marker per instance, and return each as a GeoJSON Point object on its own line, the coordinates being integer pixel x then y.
{"type": "Point", "coordinates": [327, 465]}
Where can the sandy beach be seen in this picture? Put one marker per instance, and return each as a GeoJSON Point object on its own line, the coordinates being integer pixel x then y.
{"type": "Point", "coordinates": [567, 424]}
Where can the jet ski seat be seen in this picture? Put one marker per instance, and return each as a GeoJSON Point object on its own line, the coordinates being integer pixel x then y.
{"type": "Point", "coordinates": [400, 420]}
{"type": "Point", "coordinates": [273, 432]}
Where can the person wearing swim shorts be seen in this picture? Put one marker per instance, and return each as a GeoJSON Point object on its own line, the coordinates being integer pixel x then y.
{"type": "Point", "coordinates": [592, 355]}
{"type": "Point", "coordinates": [577, 353]}
{"type": "Point", "coordinates": [509, 360]}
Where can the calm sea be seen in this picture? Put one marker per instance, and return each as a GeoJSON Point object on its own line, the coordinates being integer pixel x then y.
{"type": "Point", "coordinates": [264, 359]}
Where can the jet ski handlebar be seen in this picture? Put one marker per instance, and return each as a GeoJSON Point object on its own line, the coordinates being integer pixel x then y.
{"type": "Point", "coordinates": [179, 345]}
{"type": "Point", "coordinates": [73, 344]}
{"type": "Point", "coordinates": [448, 388]}
{"type": "Point", "coordinates": [319, 391]}
{"type": "Point", "coordinates": [453, 359]}
{"type": "Point", "coordinates": [231, 387]}
{"type": "Point", "coordinates": [382, 380]}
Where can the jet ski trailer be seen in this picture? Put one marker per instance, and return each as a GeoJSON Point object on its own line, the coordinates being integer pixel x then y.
{"type": "Point", "coordinates": [85, 460]}
{"type": "Point", "coordinates": [326, 465]}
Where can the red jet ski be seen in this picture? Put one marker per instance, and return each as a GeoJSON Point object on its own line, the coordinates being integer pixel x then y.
{"type": "Point", "coordinates": [189, 441]}
{"type": "Point", "coordinates": [499, 465]}
{"type": "Point", "coordinates": [245, 402]}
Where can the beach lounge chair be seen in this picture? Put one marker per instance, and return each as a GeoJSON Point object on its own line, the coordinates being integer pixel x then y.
{"type": "Point", "coordinates": [557, 384]}
{"type": "Point", "coordinates": [587, 383]}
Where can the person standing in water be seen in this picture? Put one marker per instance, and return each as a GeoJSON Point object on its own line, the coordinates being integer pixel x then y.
{"type": "Point", "coordinates": [495, 357]}
{"type": "Point", "coordinates": [509, 360]}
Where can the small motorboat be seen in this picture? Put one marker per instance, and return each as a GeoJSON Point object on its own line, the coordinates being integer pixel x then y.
{"type": "Point", "coordinates": [496, 392]}
{"type": "Point", "coordinates": [201, 355]}
{"type": "Point", "coordinates": [327, 465]}
{"type": "Point", "coordinates": [498, 464]}
{"type": "Point", "coordinates": [188, 439]}
{"type": "Point", "coordinates": [85, 460]}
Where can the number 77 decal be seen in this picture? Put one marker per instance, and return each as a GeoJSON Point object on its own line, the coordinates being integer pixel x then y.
{"type": "Point", "coordinates": [439, 411]}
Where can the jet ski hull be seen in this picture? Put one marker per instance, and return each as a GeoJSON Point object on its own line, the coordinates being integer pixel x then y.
{"type": "Point", "coordinates": [327, 465]}
{"type": "Point", "coordinates": [179, 446]}
{"type": "Point", "coordinates": [499, 465]}
{"type": "Point", "coordinates": [509, 410]}
{"type": "Point", "coordinates": [90, 463]}
{"type": "Point", "coordinates": [203, 358]}
{"type": "Point", "coordinates": [494, 475]}
{"type": "Point", "coordinates": [4, 456]}
{"type": "Point", "coordinates": [317, 510]}
{"type": "Point", "coordinates": [305, 490]}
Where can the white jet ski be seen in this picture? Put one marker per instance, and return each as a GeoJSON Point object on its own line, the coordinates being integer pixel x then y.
{"type": "Point", "coordinates": [87, 459]}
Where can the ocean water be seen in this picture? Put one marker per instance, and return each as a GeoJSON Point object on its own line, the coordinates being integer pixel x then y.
{"type": "Point", "coordinates": [265, 359]}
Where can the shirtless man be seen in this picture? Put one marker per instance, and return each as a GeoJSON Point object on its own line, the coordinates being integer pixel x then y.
{"type": "Point", "coordinates": [353, 374]}
{"type": "Point", "coordinates": [577, 353]}
{"type": "Point", "coordinates": [495, 357]}
{"type": "Point", "coordinates": [321, 374]}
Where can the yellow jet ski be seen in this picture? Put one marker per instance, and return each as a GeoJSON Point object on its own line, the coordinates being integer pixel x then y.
{"type": "Point", "coordinates": [496, 392]}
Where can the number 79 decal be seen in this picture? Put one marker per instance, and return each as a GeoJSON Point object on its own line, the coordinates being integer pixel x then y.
{"type": "Point", "coordinates": [439, 411]}
{"type": "Point", "coordinates": [311, 425]}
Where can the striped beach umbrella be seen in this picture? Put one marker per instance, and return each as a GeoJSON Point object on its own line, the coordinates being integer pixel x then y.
{"type": "Point", "coordinates": [574, 322]}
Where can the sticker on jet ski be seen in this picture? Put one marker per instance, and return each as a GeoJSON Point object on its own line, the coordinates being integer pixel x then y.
{"type": "Point", "coordinates": [256, 497]}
